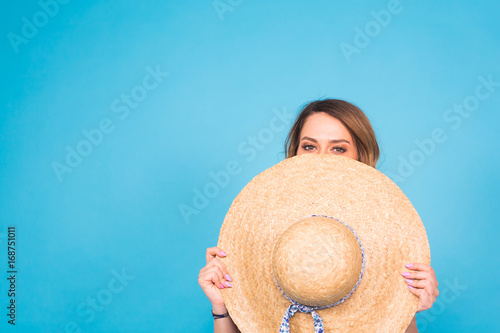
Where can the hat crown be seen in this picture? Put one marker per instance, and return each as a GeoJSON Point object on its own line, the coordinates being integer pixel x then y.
{"type": "Point", "coordinates": [317, 261]}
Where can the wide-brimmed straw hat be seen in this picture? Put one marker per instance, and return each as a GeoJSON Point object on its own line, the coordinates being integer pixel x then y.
{"type": "Point", "coordinates": [320, 241]}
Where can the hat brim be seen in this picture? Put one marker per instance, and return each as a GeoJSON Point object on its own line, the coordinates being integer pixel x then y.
{"type": "Point", "coordinates": [386, 222]}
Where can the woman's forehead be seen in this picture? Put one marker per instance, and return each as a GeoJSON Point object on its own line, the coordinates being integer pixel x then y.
{"type": "Point", "coordinates": [324, 126]}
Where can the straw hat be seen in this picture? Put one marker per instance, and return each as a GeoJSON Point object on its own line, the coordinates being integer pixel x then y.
{"type": "Point", "coordinates": [320, 241]}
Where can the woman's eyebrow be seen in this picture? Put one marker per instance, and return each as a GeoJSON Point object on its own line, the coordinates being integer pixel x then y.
{"type": "Point", "coordinates": [331, 141]}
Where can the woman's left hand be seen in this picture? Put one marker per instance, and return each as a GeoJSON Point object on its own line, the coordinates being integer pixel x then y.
{"type": "Point", "coordinates": [422, 282]}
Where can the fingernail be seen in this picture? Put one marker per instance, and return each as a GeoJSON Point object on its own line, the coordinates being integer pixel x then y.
{"type": "Point", "coordinates": [223, 253]}
{"type": "Point", "coordinates": [410, 287]}
{"type": "Point", "coordinates": [409, 265]}
{"type": "Point", "coordinates": [405, 274]}
{"type": "Point", "coordinates": [408, 280]}
{"type": "Point", "coordinates": [228, 277]}
{"type": "Point", "coordinates": [228, 284]}
{"type": "Point", "coordinates": [221, 286]}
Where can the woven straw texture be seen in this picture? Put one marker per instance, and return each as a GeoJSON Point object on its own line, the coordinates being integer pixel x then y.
{"type": "Point", "coordinates": [317, 261]}
{"type": "Point", "coordinates": [384, 219]}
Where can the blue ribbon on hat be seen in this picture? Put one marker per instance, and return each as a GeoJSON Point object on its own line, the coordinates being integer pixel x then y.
{"type": "Point", "coordinates": [318, 321]}
{"type": "Point", "coordinates": [295, 306]}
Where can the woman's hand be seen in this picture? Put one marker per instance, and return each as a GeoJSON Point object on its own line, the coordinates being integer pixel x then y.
{"type": "Point", "coordinates": [422, 282]}
{"type": "Point", "coordinates": [213, 277]}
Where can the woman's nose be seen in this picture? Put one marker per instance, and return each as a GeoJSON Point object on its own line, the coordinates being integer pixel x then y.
{"type": "Point", "coordinates": [322, 151]}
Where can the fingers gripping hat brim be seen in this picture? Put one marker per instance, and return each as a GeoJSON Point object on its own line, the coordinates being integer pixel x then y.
{"type": "Point", "coordinates": [384, 219]}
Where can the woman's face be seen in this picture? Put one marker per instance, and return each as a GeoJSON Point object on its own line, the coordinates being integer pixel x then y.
{"type": "Point", "coordinates": [324, 134]}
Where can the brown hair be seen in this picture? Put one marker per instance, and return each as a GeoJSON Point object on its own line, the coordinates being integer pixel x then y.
{"type": "Point", "coordinates": [353, 119]}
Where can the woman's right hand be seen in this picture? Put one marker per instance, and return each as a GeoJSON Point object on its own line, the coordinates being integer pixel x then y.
{"type": "Point", "coordinates": [214, 276]}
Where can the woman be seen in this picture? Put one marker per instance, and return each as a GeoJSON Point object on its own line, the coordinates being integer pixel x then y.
{"type": "Point", "coordinates": [327, 126]}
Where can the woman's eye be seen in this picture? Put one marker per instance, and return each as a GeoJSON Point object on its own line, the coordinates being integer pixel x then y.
{"type": "Point", "coordinates": [339, 149]}
{"type": "Point", "coordinates": [307, 147]}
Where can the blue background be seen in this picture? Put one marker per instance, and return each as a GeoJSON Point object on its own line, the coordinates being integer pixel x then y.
{"type": "Point", "coordinates": [229, 72]}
